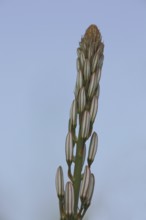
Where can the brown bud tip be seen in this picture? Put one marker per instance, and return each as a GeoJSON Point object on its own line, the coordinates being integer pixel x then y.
{"type": "Point", "coordinates": [93, 33]}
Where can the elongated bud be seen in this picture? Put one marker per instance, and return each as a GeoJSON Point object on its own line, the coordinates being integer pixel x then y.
{"type": "Point", "coordinates": [87, 70]}
{"type": "Point", "coordinates": [82, 59]}
{"type": "Point", "coordinates": [85, 126]}
{"type": "Point", "coordinates": [81, 99]}
{"type": "Point", "coordinates": [93, 108]}
{"type": "Point", "coordinates": [92, 148]}
{"type": "Point", "coordinates": [60, 182]}
{"type": "Point", "coordinates": [69, 148]}
{"type": "Point", "coordinates": [93, 85]}
{"type": "Point", "coordinates": [90, 52]}
{"type": "Point", "coordinates": [90, 190]}
{"type": "Point", "coordinates": [95, 62]}
{"type": "Point", "coordinates": [78, 65]}
{"type": "Point", "coordinates": [79, 83]}
{"type": "Point", "coordinates": [69, 199]}
{"type": "Point", "coordinates": [73, 113]}
{"type": "Point", "coordinates": [85, 183]}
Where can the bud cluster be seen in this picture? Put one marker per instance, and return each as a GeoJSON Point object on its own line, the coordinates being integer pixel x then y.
{"type": "Point", "coordinates": [82, 116]}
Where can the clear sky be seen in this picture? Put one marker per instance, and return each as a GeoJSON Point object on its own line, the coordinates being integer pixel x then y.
{"type": "Point", "coordinates": [38, 41]}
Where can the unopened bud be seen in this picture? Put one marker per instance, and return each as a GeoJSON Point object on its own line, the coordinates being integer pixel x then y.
{"type": "Point", "coordinates": [93, 84]}
{"type": "Point", "coordinates": [92, 148]}
{"type": "Point", "coordinates": [93, 108]}
{"type": "Point", "coordinates": [90, 190]}
{"type": "Point", "coordinates": [69, 148]}
{"type": "Point", "coordinates": [81, 99]}
{"type": "Point", "coordinates": [73, 113]}
{"type": "Point", "coordinates": [59, 182]}
{"type": "Point", "coordinates": [95, 62]}
{"type": "Point", "coordinates": [82, 59]}
{"type": "Point", "coordinates": [85, 183]}
{"type": "Point", "coordinates": [85, 126]}
{"type": "Point", "coordinates": [69, 199]}
{"type": "Point", "coordinates": [87, 70]}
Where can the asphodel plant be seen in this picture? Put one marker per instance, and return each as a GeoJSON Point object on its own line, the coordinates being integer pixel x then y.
{"type": "Point", "coordinates": [75, 197]}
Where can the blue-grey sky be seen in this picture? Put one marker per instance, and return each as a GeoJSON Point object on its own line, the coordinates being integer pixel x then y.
{"type": "Point", "coordinates": [38, 41]}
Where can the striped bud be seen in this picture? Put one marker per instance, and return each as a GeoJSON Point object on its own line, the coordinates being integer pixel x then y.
{"type": "Point", "coordinates": [87, 70]}
{"type": "Point", "coordinates": [60, 182]}
{"type": "Point", "coordinates": [90, 52]}
{"type": "Point", "coordinates": [90, 190]}
{"type": "Point", "coordinates": [95, 61]}
{"type": "Point", "coordinates": [85, 183]}
{"type": "Point", "coordinates": [93, 108]}
{"type": "Point", "coordinates": [78, 64]}
{"type": "Point", "coordinates": [81, 99]}
{"type": "Point", "coordinates": [73, 113]}
{"type": "Point", "coordinates": [92, 148]}
{"type": "Point", "coordinates": [82, 59]}
{"type": "Point", "coordinates": [93, 85]}
{"type": "Point", "coordinates": [85, 126]}
{"type": "Point", "coordinates": [69, 148]}
{"type": "Point", "coordinates": [79, 80]}
{"type": "Point", "coordinates": [69, 199]}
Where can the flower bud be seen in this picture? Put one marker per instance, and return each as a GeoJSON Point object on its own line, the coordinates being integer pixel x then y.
{"type": "Point", "coordinates": [90, 190]}
{"type": "Point", "coordinates": [92, 148]}
{"type": "Point", "coordinates": [73, 113]}
{"type": "Point", "coordinates": [95, 62]}
{"type": "Point", "coordinates": [59, 182]}
{"type": "Point", "coordinates": [82, 59]}
{"type": "Point", "coordinates": [93, 84]}
{"type": "Point", "coordinates": [69, 148]}
{"type": "Point", "coordinates": [93, 108]}
{"type": "Point", "coordinates": [87, 70]}
{"type": "Point", "coordinates": [85, 183]}
{"type": "Point", "coordinates": [81, 99]}
{"type": "Point", "coordinates": [69, 199]}
{"type": "Point", "coordinates": [78, 65]}
{"type": "Point", "coordinates": [85, 126]}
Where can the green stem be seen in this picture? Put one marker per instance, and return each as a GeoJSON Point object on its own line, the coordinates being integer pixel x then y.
{"type": "Point", "coordinates": [78, 171]}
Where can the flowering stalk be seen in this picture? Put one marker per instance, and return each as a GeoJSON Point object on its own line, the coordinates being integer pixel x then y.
{"type": "Point", "coordinates": [75, 198]}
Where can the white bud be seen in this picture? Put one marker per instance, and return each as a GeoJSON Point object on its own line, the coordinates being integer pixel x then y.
{"type": "Point", "coordinates": [93, 85]}
{"type": "Point", "coordinates": [87, 70]}
{"type": "Point", "coordinates": [93, 108]}
{"type": "Point", "coordinates": [82, 59]}
{"type": "Point", "coordinates": [90, 190]}
{"type": "Point", "coordinates": [73, 113]}
{"type": "Point", "coordinates": [69, 148]}
{"type": "Point", "coordinates": [92, 148]}
{"type": "Point", "coordinates": [69, 199]}
{"type": "Point", "coordinates": [59, 182]}
{"type": "Point", "coordinates": [81, 99]}
{"type": "Point", "coordinates": [85, 126]}
{"type": "Point", "coordinates": [85, 183]}
{"type": "Point", "coordinates": [95, 61]}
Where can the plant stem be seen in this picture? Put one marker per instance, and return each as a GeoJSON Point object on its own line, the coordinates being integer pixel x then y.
{"type": "Point", "coordinates": [78, 171]}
